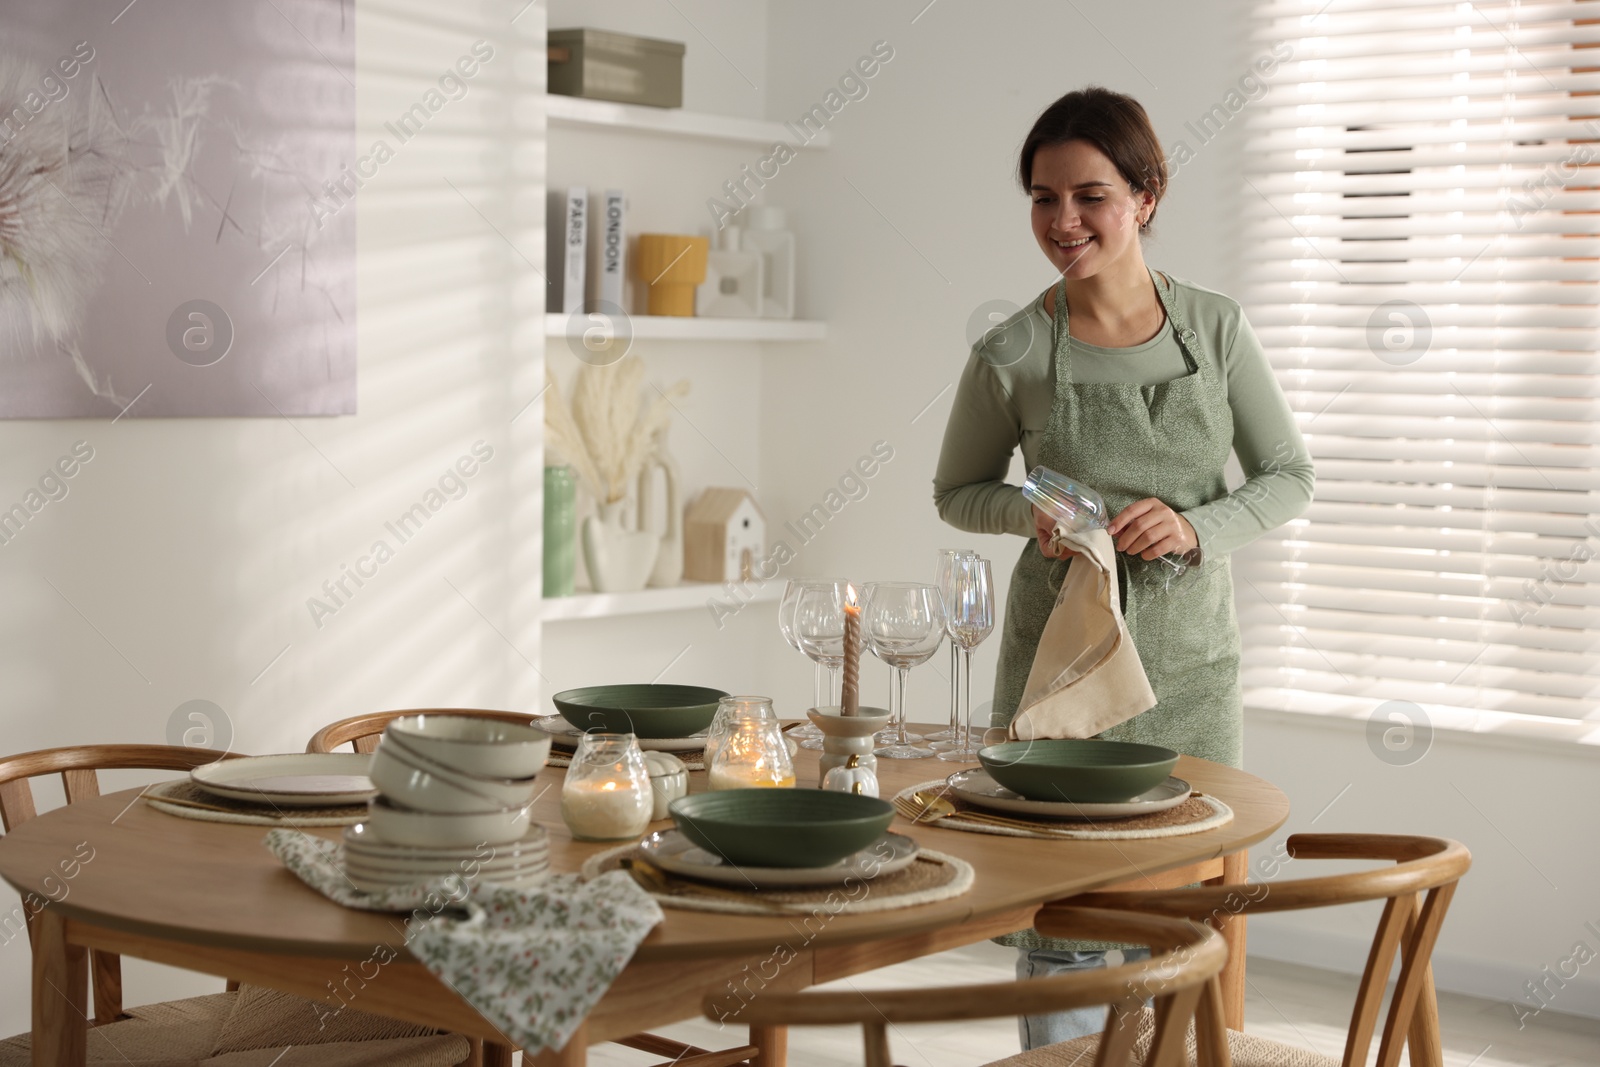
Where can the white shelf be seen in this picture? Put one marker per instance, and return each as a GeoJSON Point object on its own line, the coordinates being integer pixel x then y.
{"type": "Point", "coordinates": [675, 122]}
{"type": "Point", "coordinates": [684, 597]}
{"type": "Point", "coordinates": [689, 328]}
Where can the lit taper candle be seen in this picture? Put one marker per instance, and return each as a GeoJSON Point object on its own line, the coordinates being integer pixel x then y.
{"type": "Point", "coordinates": [850, 695]}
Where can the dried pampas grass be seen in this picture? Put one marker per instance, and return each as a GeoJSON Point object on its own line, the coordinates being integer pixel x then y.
{"type": "Point", "coordinates": [609, 432]}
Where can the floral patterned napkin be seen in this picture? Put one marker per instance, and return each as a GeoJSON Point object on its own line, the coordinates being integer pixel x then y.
{"type": "Point", "coordinates": [534, 963]}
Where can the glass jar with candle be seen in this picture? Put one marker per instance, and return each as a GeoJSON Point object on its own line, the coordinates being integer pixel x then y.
{"type": "Point", "coordinates": [606, 796]}
{"type": "Point", "coordinates": [745, 747]}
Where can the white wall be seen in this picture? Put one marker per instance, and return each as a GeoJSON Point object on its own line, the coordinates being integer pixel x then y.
{"type": "Point", "coordinates": [183, 557]}
{"type": "Point", "coordinates": [932, 147]}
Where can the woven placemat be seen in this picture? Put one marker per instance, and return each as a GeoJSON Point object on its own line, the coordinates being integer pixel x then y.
{"type": "Point", "coordinates": [934, 876]}
{"type": "Point", "coordinates": [186, 800]}
{"type": "Point", "coordinates": [1200, 812]}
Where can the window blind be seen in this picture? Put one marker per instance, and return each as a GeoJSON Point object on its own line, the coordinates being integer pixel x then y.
{"type": "Point", "coordinates": [1422, 214]}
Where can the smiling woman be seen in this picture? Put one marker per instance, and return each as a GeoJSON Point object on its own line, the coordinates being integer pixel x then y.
{"type": "Point", "coordinates": [1155, 384]}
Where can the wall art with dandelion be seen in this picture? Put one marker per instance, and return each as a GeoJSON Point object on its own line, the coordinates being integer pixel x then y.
{"type": "Point", "coordinates": [159, 251]}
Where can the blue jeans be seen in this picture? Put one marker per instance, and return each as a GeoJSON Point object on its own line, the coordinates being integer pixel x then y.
{"type": "Point", "coordinates": [1036, 1031]}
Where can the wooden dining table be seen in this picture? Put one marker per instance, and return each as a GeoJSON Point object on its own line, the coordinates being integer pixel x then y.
{"type": "Point", "coordinates": [208, 897]}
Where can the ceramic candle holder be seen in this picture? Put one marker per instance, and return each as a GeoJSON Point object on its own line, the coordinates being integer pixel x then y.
{"type": "Point", "coordinates": [672, 265]}
{"type": "Point", "coordinates": [844, 736]}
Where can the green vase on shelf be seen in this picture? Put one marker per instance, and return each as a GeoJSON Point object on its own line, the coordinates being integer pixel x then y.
{"type": "Point", "coordinates": [560, 530]}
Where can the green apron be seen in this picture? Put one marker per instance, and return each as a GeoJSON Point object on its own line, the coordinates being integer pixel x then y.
{"type": "Point", "coordinates": [1169, 441]}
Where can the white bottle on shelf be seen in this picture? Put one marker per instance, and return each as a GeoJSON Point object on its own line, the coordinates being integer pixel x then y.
{"type": "Point", "coordinates": [769, 235]}
{"type": "Point", "coordinates": [732, 289]}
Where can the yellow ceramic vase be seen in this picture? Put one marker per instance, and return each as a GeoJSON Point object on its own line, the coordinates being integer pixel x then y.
{"type": "Point", "coordinates": [671, 265]}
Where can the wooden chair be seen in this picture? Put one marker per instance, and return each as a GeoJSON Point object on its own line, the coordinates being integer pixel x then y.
{"type": "Point", "coordinates": [1185, 957]}
{"type": "Point", "coordinates": [362, 731]}
{"type": "Point", "coordinates": [186, 1029]}
{"type": "Point", "coordinates": [79, 780]}
{"type": "Point", "coordinates": [1417, 891]}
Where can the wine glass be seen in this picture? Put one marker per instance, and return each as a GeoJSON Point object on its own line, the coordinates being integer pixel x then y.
{"type": "Point", "coordinates": [969, 619]}
{"type": "Point", "coordinates": [1080, 508]}
{"type": "Point", "coordinates": [807, 733]}
{"type": "Point", "coordinates": [944, 559]}
{"type": "Point", "coordinates": [903, 624]}
{"type": "Point", "coordinates": [819, 627]}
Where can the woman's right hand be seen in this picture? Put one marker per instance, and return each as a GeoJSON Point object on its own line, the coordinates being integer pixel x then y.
{"type": "Point", "coordinates": [1044, 528]}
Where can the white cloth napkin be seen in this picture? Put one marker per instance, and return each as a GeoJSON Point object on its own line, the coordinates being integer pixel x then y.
{"type": "Point", "coordinates": [1086, 675]}
{"type": "Point", "coordinates": [534, 963]}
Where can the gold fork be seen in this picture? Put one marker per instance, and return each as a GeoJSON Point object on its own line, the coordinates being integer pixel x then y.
{"type": "Point", "coordinates": [656, 880]}
{"type": "Point", "coordinates": [929, 807]}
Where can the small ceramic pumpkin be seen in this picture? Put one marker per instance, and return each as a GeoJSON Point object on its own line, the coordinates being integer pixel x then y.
{"type": "Point", "coordinates": [852, 778]}
{"type": "Point", "coordinates": [669, 780]}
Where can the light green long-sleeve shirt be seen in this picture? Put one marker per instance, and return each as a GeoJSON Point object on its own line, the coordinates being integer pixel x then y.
{"type": "Point", "coordinates": [1002, 403]}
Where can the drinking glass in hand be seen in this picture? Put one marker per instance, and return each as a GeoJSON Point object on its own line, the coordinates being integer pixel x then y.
{"type": "Point", "coordinates": [969, 618]}
{"type": "Point", "coordinates": [807, 733]}
{"type": "Point", "coordinates": [1079, 508]}
{"type": "Point", "coordinates": [903, 624]}
{"type": "Point", "coordinates": [819, 628]}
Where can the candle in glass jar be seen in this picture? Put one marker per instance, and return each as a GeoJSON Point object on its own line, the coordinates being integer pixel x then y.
{"type": "Point", "coordinates": [605, 810]}
{"type": "Point", "coordinates": [850, 694]}
{"type": "Point", "coordinates": [749, 776]}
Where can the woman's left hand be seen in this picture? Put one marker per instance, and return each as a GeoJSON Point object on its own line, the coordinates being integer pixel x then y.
{"type": "Point", "coordinates": [1148, 528]}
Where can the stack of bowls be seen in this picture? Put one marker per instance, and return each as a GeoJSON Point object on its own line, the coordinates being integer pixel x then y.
{"type": "Point", "coordinates": [454, 793]}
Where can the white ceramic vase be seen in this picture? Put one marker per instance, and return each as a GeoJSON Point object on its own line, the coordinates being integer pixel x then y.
{"type": "Point", "coordinates": [668, 569]}
{"type": "Point", "coordinates": [619, 557]}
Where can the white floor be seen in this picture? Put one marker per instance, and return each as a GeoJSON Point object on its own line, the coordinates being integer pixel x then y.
{"type": "Point", "coordinates": [1297, 1004]}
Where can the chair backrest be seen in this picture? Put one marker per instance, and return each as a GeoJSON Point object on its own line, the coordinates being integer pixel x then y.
{"type": "Point", "coordinates": [363, 731]}
{"type": "Point", "coordinates": [78, 766]}
{"type": "Point", "coordinates": [1185, 956]}
{"type": "Point", "coordinates": [1417, 891]}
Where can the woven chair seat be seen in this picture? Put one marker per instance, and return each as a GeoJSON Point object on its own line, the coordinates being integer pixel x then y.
{"type": "Point", "coordinates": [209, 1031]}
{"type": "Point", "coordinates": [1246, 1050]}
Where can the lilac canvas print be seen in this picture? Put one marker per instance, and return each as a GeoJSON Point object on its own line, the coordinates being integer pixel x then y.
{"type": "Point", "coordinates": [177, 222]}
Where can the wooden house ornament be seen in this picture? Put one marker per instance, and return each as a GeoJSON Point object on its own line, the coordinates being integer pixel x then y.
{"type": "Point", "coordinates": [724, 536]}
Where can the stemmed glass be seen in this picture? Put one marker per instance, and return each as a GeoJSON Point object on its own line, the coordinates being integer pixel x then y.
{"type": "Point", "coordinates": [807, 733]}
{"type": "Point", "coordinates": [969, 619]}
{"type": "Point", "coordinates": [943, 568]}
{"type": "Point", "coordinates": [819, 628]}
{"type": "Point", "coordinates": [903, 624]}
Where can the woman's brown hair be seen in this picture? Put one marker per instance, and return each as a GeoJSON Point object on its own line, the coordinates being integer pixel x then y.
{"type": "Point", "coordinates": [1112, 122]}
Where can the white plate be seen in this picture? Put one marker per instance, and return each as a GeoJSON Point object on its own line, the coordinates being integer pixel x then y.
{"type": "Point", "coordinates": [567, 735]}
{"type": "Point", "coordinates": [975, 786]}
{"type": "Point", "coordinates": [381, 868]}
{"type": "Point", "coordinates": [360, 838]}
{"type": "Point", "coordinates": [295, 780]}
{"type": "Point", "coordinates": [367, 879]}
{"type": "Point", "coordinates": [374, 885]}
{"type": "Point", "coordinates": [676, 854]}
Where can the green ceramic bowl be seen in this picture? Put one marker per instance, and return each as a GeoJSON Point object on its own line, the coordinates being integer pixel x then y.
{"type": "Point", "coordinates": [1086, 771]}
{"type": "Point", "coordinates": [781, 827]}
{"type": "Point", "coordinates": [649, 711]}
